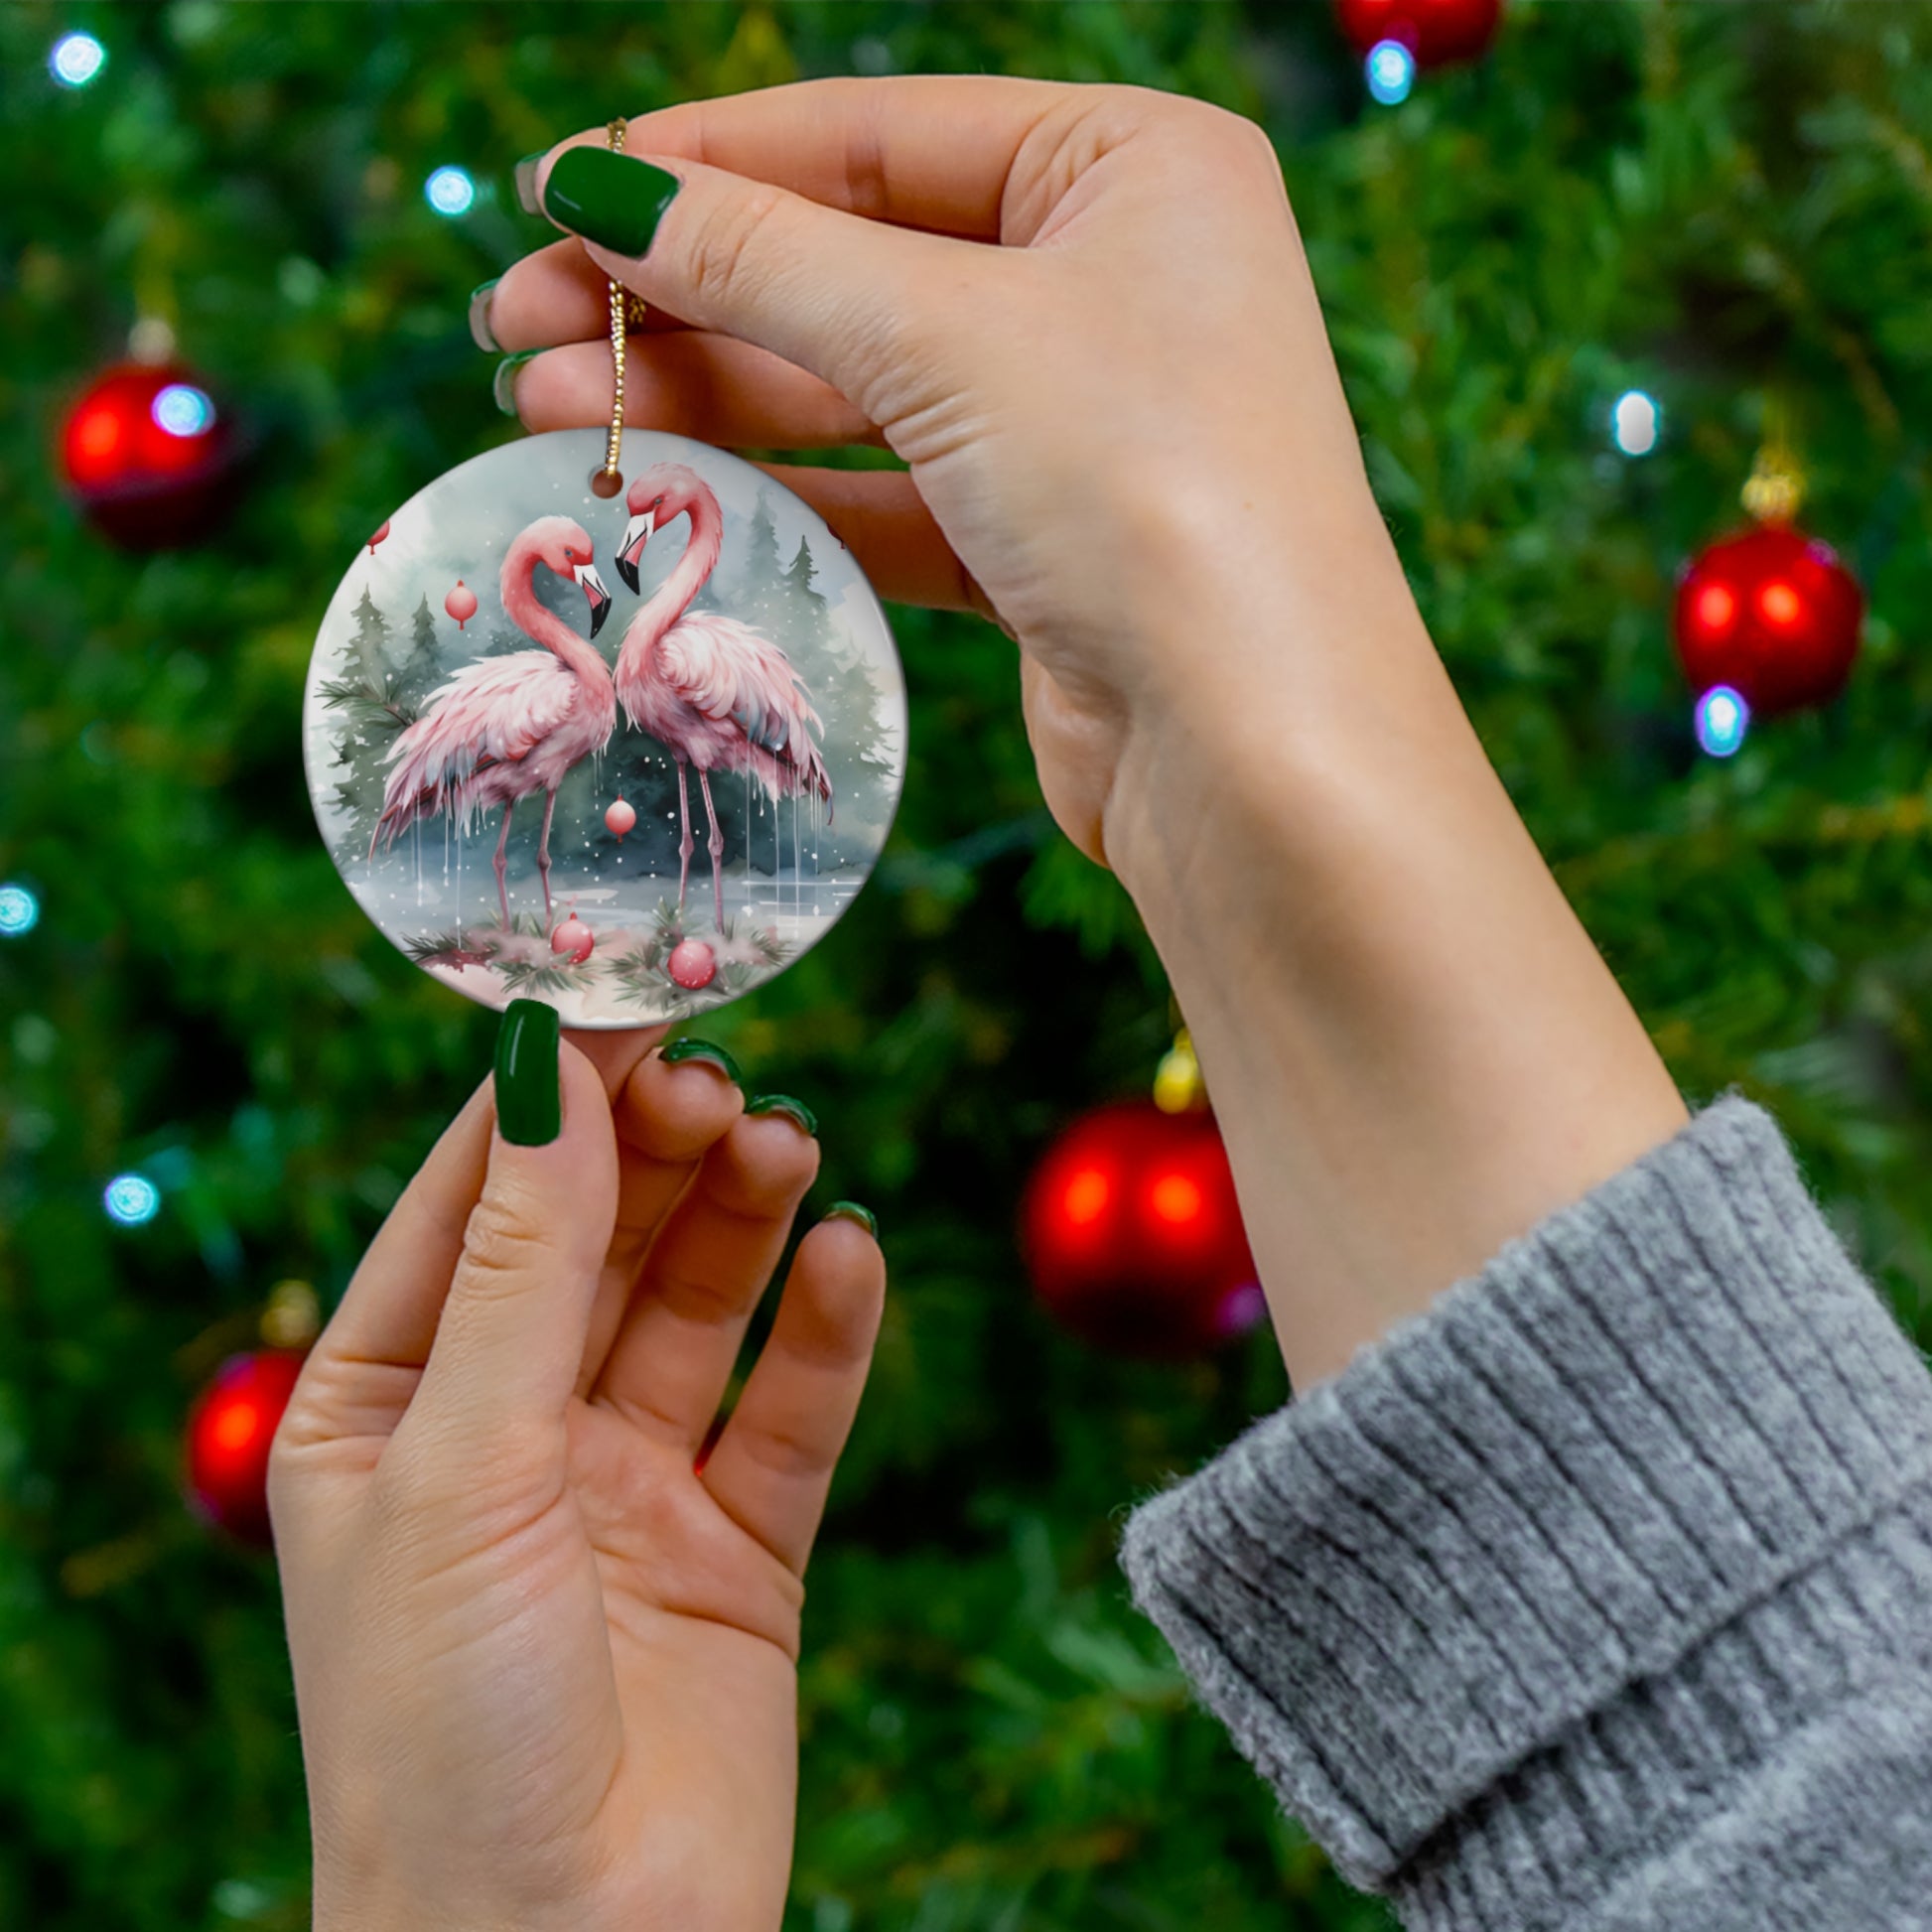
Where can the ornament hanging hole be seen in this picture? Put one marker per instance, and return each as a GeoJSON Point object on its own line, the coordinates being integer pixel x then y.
{"type": "Point", "coordinates": [606, 484]}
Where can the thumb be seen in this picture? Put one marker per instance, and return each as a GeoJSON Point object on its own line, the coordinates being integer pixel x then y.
{"type": "Point", "coordinates": [838, 295]}
{"type": "Point", "coordinates": [511, 1338]}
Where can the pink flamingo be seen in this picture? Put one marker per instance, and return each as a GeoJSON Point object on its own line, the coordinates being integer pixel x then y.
{"type": "Point", "coordinates": [709, 689]}
{"type": "Point", "coordinates": [506, 727]}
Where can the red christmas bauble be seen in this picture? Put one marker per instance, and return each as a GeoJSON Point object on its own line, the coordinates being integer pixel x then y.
{"type": "Point", "coordinates": [1772, 614]}
{"type": "Point", "coordinates": [230, 1430]}
{"type": "Point", "coordinates": [574, 937]}
{"type": "Point", "coordinates": [692, 965]}
{"type": "Point", "coordinates": [461, 604]}
{"type": "Point", "coordinates": [380, 535]}
{"type": "Point", "coordinates": [149, 457]}
{"type": "Point", "coordinates": [619, 815]}
{"type": "Point", "coordinates": [1436, 31]}
{"type": "Point", "coordinates": [1133, 1235]}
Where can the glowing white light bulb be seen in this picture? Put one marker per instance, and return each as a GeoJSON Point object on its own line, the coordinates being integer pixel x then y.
{"type": "Point", "coordinates": [77, 58]}
{"type": "Point", "coordinates": [1390, 70]}
{"type": "Point", "coordinates": [132, 1199]}
{"type": "Point", "coordinates": [183, 410]}
{"type": "Point", "coordinates": [20, 912]}
{"type": "Point", "coordinates": [1722, 719]}
{"type": "Point", "coordinates": [450, 192]}
{"type": "Point", "coordinates": [1635, 423]}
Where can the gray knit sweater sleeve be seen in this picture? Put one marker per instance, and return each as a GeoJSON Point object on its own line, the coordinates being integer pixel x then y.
{"type": "Point", "coordinates": [1601, 1594]}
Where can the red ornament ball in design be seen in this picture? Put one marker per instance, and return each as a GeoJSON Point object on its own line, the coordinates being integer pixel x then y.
{"type": "Point", "coordinates": [621, 815]}
{"type": "Point", "coordinates": [1133, 1235]}
{"type": "Point", "coordinates": [692, 965]}
{"type": "Point", "coordinates": [149, 457]}
{"type": "Point", "coordinates": [230, 1430]}
{"type": "Point", "coordinates": [461, 604]}
{"type": "Point", "coordinates": [574, 937]}
{"type": "Point", "coordinates": [1436, 31]}
{"type": "Point", "coordinates": [1772, 614]}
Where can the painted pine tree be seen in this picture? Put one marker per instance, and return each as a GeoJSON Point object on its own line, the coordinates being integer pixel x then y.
{"type": "Point", "coordinates": [370, 646]}
{"type": "Point", "coordinates": [857, 745]}
{"type": "Point", "coordinates": [757, 594]}
{"type": "Point", "coordinates": [421, 671]}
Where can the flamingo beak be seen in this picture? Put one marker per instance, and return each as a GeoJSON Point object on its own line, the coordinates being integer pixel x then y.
{"type": "Point", "coordinates": [636, 534]}
{"type": "Point", "coordinates": [591, 585]}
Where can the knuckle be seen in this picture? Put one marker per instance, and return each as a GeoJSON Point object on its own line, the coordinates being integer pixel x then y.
{"type": "Point", "coordinates": [726, 250]}
{"type": "Point", "coordinates": [697, 1299]}
{"type": "Point", "coordinates": [500, 1249]}
{"type": "Point", "coordinates": [1236, 136]}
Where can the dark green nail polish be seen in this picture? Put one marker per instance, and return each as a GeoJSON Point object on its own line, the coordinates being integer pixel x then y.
{"type": "Point", "coordinates": [795, 1111]}
{"type": "Point", "coordinates": [525, 178]}
{"type": "Point", "coordinates": [529, 1089]}
{"type": "Point", "coordinates": [502, 385]}
{"type": "Point", "coordinates": [849, 1210]}
{"type": "Point", "coordinates": [680, 1050]}
{"type": "Point", "coordinates": [607, 198]}
{"type": "Point", "coordinates": [480, 330]}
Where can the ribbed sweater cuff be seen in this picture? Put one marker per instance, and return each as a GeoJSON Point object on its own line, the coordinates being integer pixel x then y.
{"type": "Point", "coordinates": [1547, 1503]}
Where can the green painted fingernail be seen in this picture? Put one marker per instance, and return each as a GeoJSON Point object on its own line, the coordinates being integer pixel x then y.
{"type": "Point", "coordinates": [680, 1050]}
{"type": "Point", "coordinates": [530, 1088]}
{"type": "Point", "coordinates": [782, 1103]}
{"type": "Point", "coordinates": [608, 199]}
{"type": "Point", "coordinates": [480, 330]}
{"type": "Point", "coordinates": [849, 1210]}
{"type": "Point", "coordinates": [526, 183]}
{"type": "Point", "coordinates": [502, 385]}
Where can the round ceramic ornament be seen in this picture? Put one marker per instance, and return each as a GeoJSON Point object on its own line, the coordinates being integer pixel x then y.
{"type": "Point", "coordinates": [627, 754]}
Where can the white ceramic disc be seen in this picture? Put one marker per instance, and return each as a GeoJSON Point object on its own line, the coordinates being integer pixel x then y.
{"type": "Point", "coordinates": [509, 644]}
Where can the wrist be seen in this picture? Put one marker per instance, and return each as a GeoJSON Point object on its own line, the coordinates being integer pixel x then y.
{"type": "Point", "coordinates": [1275, 701]}
{"type": "Point", "coordinates": [1414, 1049]}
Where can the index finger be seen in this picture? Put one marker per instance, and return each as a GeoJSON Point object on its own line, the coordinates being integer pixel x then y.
{"type": "Point", "coordinates": [918, 151]}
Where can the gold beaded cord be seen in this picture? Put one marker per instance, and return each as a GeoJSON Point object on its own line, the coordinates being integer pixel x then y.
{"type": "Point", "coordinates": [628, 311]}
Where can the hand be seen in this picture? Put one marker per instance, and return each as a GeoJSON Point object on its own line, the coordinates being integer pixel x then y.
{"type": "Point", "coordinates": [545, 1670]}
{"type": "Point", "coordinates": [1111, 420]}
{"type": "Point", "coordinates": [1084, 317]}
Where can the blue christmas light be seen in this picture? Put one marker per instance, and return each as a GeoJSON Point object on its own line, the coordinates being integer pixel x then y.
{"type": "Point", "coordinates": [183, 410]}
{"type": "Point", "coordinates": [1635, 423]}
{"type": "Point", "coordinates": [20, 912]}
{"type": "Point", "coordinates": [1391, 71]}
{"type": "Point", "coordinates": [77, 58]}
{"type": "Point", "coordinates": [1722, 719]}
{"type": "Point", "coordinates": [132, 1199]}
{"type": "Point", "coordinates": [450, 192]}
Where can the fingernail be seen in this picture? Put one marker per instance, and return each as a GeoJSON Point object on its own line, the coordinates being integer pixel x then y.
{"type": "Point", "coordinates": [849, 1210]}
{"type": "Point", "coordinates": [607, 198]}
{"type": "Point", "coordinates": [502, 385]}
{"type": "Point", "coordinates": [795, 1111]}
{"type": "Point", "coordinates": [526, 183]}
{"type": "Point", "coordinates": [680, 1050]}
{"type": "Point", "coordinates": [480, 330]}
{"type": "Point", "coordinates": [529, 1089]}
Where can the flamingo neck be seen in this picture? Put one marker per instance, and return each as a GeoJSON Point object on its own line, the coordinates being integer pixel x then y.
{"type": "Point", "coordinates": [672, 598]}
{"type": "Point", "coordinates": [550, 631]}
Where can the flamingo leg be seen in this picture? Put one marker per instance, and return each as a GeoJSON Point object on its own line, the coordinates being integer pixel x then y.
{"type": "Point", "coordinates": [543, 851]}
{"type": "Point", "coordinates": [683, 844]}
{"type": "Point", "coordinates": [715, 845]}
{"type": "Point", "coordinates": [501, 861]}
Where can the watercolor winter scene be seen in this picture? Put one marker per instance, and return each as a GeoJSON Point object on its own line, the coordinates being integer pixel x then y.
{"type": "Point", "coordinates": [628, 756]}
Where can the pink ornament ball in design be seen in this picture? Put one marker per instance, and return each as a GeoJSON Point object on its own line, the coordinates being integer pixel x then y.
{"type": "Point", "coordinates": [620, 816]}
{"type": "Point", "coordinates": [461, 604]}
{"type": "Point", "coordinates": [692, 965]}
{"type": "Point", "coordinates": [378, 536]}
{"type": "Point", "coordinates": [574, 937]}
